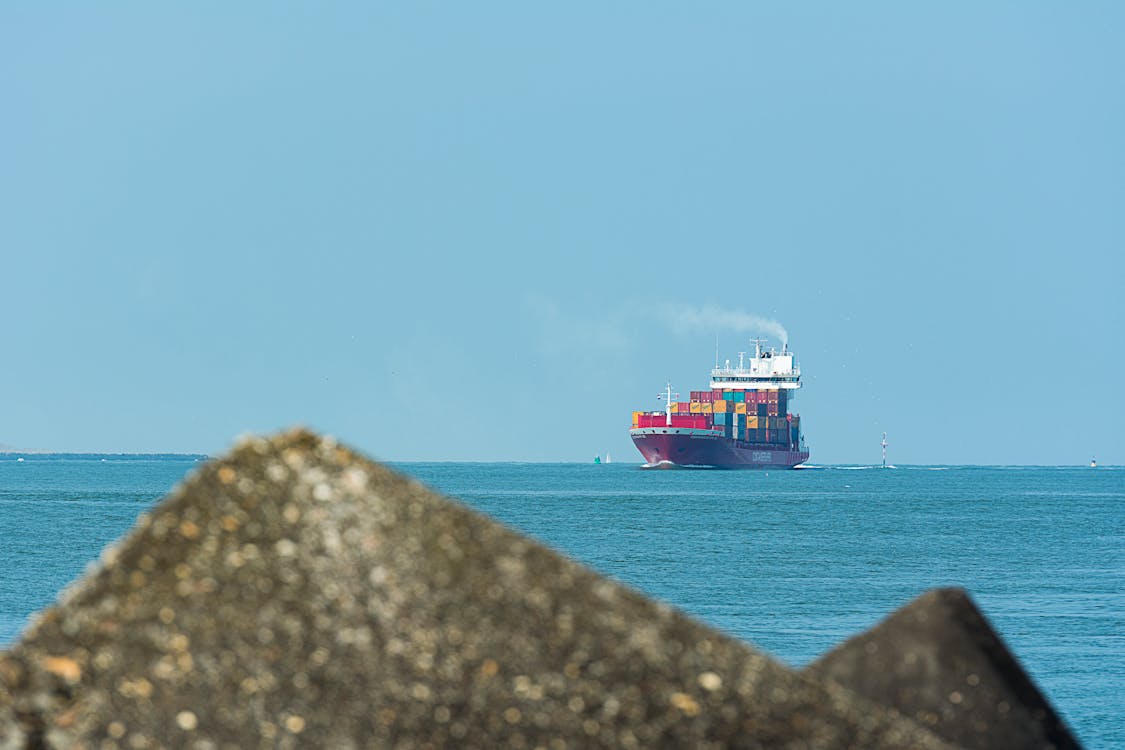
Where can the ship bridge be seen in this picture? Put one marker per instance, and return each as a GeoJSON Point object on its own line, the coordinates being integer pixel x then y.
{"type": "Point", "coordinates": [767, 369]}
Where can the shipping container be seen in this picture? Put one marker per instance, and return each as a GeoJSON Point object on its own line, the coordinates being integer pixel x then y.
{"type": "Point", "coordinates": [771, 409]}
{"type": "Point", "coordinates": [705, 397]}
{"type": "Point", "coordinates": [739, 408]}
{"type": "Point", "coordinates": [773, 396]}
{"type": "Point", "coordinates": [752, 423]}
{"type": "Point", "coordinates": [705, 408]}
{"type": "Point", "coordinates": [763, 410]}
{"type": "Point", "coordinates": [739, 397]}
{"type": "Point", "coordinates": [721, 419]}
{"type": "Point", "coordinates": [716, 394]}
{"type": "Point", "coordinates": [721, 406]}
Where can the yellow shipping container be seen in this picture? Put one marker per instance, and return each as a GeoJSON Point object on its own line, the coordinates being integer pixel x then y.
{"type": "Point", "coordinates": [739, 407]}
{"type": "Point", "coordinates": [696, 407]}
{"type": "Point", "coordinates": [751, 423]}
{"type": "Point", "coordinates": [675, 407]}
{"type": "Point", "coordinates": [706, 408]}
{"type": "Point", "coordinates": [636, 418]}
{"type": "Point", "coordinates": [720, 407]}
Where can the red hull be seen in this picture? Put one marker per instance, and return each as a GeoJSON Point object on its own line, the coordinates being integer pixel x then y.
{"type": "Point", "coordinates": [691, 447]}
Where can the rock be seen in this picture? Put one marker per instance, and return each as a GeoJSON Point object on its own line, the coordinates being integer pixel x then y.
{"type": "Point", "coordinates": [938, 661]}
{"type": "Point", "coordinates": [298, 595]}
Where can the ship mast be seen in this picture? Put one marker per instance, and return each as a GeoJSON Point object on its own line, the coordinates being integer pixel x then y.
{"type": "Point", "coordinates": [668, 396]}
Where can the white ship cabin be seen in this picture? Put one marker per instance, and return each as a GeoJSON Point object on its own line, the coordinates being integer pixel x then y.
{"type": "Point", "coordinates": [766, 369]}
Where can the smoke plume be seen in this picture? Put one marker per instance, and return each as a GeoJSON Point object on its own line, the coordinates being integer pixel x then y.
{"type": "Point", "coordinates": [690, 319]}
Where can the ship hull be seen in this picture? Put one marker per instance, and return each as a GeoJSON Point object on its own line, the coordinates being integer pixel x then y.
{"type": "Point", "coordinates": [695, 447]}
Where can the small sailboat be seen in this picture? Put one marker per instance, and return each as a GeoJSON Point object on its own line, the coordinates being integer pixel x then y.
{"type": "Point", "coordinates": [608, 460]}
{"type": "Point", "coordinates": [1093, 463]}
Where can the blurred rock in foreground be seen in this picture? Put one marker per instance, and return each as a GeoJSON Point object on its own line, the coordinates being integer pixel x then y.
{"type": "Point", "coordinates": [295, 594]}
{"type": "Point", "coordinates": [938, 661]}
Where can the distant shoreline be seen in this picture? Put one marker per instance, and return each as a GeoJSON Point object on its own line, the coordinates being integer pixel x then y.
{"type": "Point", "coordinates": [49, 455]}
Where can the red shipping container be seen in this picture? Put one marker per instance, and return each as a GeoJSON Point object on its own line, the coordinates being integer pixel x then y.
{"type": "Point", "coordinates": [705, 397]}
{"type": "Point", "coordinates": [717, 394]}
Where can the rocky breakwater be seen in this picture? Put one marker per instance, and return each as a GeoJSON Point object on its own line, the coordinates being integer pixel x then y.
{"type": "Point", "coordinates": [295, 594]}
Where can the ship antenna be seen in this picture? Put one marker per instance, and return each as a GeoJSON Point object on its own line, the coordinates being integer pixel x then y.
{"type": "Point", "coordinates": [757, 347]}
{"type": "Point", "coordinates": [884, 450]}
{"type": "Point", "coordinates": [716, 350]}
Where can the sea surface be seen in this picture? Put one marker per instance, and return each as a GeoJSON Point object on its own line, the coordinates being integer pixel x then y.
{"type": "Point", "coordinates": [790, 561]}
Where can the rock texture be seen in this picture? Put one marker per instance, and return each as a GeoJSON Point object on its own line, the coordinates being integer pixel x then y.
{"type": "Point", "coordinates": [938, 661]}
{"type": "Point", "coordinates": [298, 595]}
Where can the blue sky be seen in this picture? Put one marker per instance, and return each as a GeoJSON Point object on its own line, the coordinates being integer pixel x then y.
{"type": "Point", "coordinates": [452, 233]}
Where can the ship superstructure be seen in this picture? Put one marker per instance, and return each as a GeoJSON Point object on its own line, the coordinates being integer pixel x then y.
{"type": "Point", "coordinates": [742, 421]}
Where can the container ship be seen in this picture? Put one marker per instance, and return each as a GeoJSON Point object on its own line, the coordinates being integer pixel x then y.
{"type": "Point", "coordinates": [742, 422]}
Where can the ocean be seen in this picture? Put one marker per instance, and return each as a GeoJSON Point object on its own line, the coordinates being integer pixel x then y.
{"type": "Point", "coordinates": [790, 561]}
